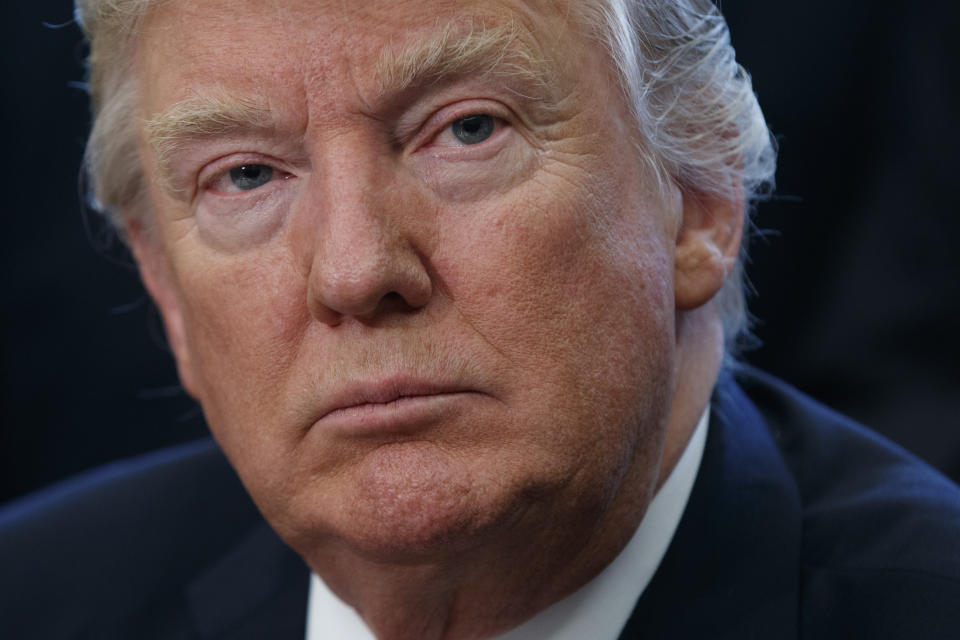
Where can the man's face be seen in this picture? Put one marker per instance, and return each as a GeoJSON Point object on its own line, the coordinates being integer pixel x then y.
{"type": "Point", "coordinates": [418, 281]}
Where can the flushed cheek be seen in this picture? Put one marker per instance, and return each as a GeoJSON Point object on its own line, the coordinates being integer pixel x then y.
{"type": "Point", "coordinates": [554, 266]}
{"type": "Point", "coordinates": [583, 323]}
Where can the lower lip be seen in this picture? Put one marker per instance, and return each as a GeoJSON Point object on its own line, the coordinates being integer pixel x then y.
{"type": "Point", "coordinates": [407, 414]}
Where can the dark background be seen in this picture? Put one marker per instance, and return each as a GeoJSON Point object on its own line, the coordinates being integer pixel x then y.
{"type": "Point", "coordinates": [857, 267]}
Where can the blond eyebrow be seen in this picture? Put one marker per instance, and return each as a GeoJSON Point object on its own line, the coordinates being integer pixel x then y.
{"type": "Point", "coordinates": [202, 116]}
{"type": "Point", "coordinates": [457, 49]}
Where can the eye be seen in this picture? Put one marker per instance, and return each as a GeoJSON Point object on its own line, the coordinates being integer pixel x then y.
{"type": "Point", "coordinates": [250, 176]}
{"type": "Point", "coordinates": [242, 178]}
{"type": "Point", "coordinates": [473, 129]}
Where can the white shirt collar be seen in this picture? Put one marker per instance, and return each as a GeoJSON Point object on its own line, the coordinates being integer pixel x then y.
{"type": "Point", "coordinates": [599, 609]}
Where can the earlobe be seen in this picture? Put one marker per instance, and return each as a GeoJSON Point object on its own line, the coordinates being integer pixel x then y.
{"type": "Point", "coordinates": [708, 244]}
{"type": "Point", "coordinates": [157, 278]}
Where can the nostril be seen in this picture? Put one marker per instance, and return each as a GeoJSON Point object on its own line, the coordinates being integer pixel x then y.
{"type": "Point", "coordinates": [393, 301]}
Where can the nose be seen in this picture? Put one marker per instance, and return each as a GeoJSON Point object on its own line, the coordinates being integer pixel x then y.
{"type": "Point", "coordinates": [367, 260]}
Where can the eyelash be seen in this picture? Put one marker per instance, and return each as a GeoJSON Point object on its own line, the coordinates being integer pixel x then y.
{"type": "Point", "coordinates": [220, 171]}
{"type": "Point", "coordinates": [445, 117]}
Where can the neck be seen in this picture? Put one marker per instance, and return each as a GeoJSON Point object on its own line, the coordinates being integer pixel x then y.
{"type": "Point", "coordinates": [699, 356]}
{"type": "Point", "coordinates": [481, 592]}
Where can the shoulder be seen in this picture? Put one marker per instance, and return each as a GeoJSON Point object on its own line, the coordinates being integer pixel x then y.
{"type": "Point", "coordinates": [185, 487]}
{"type": "Point", "coordinates": [880, 529]}
{"type": "Point", "coordinates": [115, 538]}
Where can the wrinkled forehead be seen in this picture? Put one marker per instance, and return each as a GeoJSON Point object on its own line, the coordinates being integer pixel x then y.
{"type": "Point", "coordinates": [376, 44]}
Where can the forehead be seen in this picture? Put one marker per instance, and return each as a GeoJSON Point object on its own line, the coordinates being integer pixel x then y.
{"type": "Point", "coordinates": [321, 46]}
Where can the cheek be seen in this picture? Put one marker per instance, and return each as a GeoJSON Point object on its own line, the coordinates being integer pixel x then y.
{"type": "Point", "coordinates": [243, 319]}
{"type": "Point", "coordinates": [574, 290]}
{"type": "Point", "coordinates": [556, 268]}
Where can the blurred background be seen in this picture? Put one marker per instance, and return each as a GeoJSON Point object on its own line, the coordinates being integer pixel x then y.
{"type": "Point", "coordinates": [855, 265]}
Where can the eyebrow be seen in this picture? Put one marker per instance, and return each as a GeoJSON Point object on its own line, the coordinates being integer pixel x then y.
{"type": "Point", "coordinates": [203, 116]}
{"type": "Point", "coordinates": [465, 48]}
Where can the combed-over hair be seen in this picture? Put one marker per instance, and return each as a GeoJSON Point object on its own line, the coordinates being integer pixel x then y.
{"type": "Point", "coordinates": [698, 120]}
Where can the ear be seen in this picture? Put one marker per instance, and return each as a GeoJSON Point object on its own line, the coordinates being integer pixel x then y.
{"type": "Point", "coordinates": [157, 278]}
{"type": "Point", "coordinates": [707, 247]}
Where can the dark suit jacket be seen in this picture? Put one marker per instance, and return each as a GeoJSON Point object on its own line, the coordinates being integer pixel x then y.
{"type": "Point", "coordinates": [800, 524]}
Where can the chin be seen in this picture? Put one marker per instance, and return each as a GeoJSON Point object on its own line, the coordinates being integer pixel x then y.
{"type": "Point", "coordinates": [403, 503]}
{"type": "Point", "coordinates": [415, 500]}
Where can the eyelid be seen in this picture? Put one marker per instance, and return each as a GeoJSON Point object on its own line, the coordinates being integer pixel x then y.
{"type": "Point", "coordinates": [217, 169]}
{"type": "Point", "coordinates": [440, 121]}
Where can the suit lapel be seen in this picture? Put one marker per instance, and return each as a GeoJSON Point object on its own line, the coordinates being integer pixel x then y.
{"type": "Point", "coordinates": [732, 569]}
{"type": "Point", "coordinates": [258, 589]}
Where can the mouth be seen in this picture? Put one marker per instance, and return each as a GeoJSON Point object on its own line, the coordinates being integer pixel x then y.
{"type": "Point", "coordinates": [392, 405]}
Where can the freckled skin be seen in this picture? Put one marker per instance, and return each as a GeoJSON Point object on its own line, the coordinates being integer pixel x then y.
{"type": "Point", "coordinates": [540, 276]}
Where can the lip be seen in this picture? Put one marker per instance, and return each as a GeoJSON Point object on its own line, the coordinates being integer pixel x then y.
{"type": "Point", "coordinates": [392, 405]}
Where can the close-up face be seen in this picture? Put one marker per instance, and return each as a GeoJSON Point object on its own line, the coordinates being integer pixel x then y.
{"type": "Point", "coordinates": [409, 262]}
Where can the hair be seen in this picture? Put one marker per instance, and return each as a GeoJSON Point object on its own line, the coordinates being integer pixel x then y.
{"type": "Point", "coordinates": [700, 126]}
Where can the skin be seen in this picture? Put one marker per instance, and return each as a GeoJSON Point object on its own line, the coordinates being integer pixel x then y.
{"type": "Point", "coordinates": [555, 312]}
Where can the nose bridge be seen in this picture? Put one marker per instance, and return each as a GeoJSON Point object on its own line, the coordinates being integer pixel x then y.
{"type": "Point", "coordinates": [362, 255]}
{"type": "Point", "coordinates": [351, 219]}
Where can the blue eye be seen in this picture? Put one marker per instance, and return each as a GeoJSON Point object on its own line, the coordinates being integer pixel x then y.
{"type": "Point", "coordinates": [473, 129]}
{"type": "Point", "coordinates": [251, 176]}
